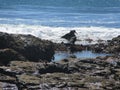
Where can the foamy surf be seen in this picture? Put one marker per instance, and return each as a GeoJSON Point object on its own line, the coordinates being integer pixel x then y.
{"type": "Point", "coordinates": [54, 33]}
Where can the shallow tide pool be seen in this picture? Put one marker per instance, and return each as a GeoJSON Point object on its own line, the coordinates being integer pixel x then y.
{"type": "Point", "coordinates": [82, 55]}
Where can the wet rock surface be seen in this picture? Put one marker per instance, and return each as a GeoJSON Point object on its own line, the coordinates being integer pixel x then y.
{"type": "Point", "coordinates": [101, 73]}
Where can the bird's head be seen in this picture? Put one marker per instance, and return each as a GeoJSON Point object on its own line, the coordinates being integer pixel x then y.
{"type": "Point", "coordinates": [73, 31]}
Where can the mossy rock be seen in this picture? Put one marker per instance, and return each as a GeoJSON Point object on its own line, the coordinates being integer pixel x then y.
{"type": "Point", "coordinates": [24, 66]}
{"type": "Point", "coordinates": [29, 79]}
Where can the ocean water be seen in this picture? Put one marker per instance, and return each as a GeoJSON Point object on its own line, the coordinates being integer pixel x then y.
{"type": "Point", "coordinates": [50, 19]}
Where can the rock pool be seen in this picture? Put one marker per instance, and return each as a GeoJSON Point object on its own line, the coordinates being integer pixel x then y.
{"type": "Point", "coordinates": [81, 54]}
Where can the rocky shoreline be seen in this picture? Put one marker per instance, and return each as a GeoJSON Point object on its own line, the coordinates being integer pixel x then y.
{"type": "Point", "coordinates": [26, 64]}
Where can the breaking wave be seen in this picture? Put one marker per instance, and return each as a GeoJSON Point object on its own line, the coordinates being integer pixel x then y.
{"type": "Point", "coordinates": [54, 33]}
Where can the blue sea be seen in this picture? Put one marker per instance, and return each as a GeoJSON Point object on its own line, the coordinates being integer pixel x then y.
{"type": "Point", "coordinates": [50, 19]}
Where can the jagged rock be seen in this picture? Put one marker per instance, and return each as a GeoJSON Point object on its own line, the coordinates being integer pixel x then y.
{"type": "Point", "coordinates": [32, 48]}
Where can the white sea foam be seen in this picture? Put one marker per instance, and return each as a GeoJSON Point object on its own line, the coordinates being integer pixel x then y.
{"type": "Point", "coordinates": [54, 33]}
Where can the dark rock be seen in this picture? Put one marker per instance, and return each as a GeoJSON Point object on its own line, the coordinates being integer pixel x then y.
{"type": "Point", "coordinates": [74, 48]}
{"type": "Point", "coordinates": [97, 48]}
{"type": "Point", "coordinates": [111, 46]}
{"type": "Point", "coordinates": [65, 46]}
{"type": "Point", "coordinates": [73, 56]}
{"type": "Point", "coordinates": [60, 47]}
{"type": "Point", "coordinates": [87, 61]}
{"type": "Point", "coordinates": [8, 55]}
{"type": "Point", "coordinates": [114, 45]}
{"type": "Point", "coordinates": [52, 67]}
{"type": "Point", "coordinates": [5, 40]}
{"type": "Point", "coordinates": [9, 73]}
{"type": "Point", "coordinates": [32, 48]}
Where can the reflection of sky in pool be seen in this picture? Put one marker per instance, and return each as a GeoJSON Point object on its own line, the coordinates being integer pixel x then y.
{"type": "Point", "coordinates": [82, 55]}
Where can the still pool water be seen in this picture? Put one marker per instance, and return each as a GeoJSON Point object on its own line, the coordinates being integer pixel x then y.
{"type": "Point", "coordinates": [82, 55]}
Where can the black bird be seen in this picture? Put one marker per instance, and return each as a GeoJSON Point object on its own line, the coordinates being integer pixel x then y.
{"type": "Point", "coordinates": [71, 37]}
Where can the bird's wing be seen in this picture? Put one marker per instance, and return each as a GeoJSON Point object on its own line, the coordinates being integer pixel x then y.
{"type": "Point", "coordinates": [66, 36]}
